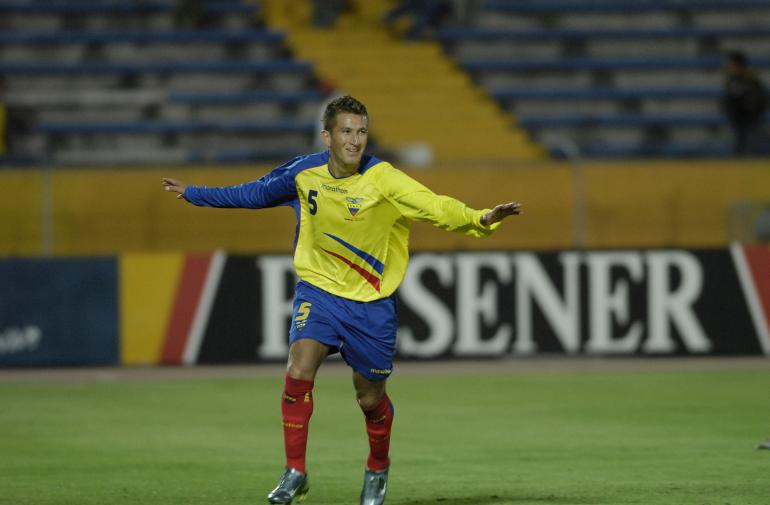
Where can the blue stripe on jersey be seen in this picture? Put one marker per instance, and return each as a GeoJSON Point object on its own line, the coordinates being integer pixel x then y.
{"type": "Point", "coordinates": [374, 262]}
{"type": "Point", "coordinates": [367, 162]}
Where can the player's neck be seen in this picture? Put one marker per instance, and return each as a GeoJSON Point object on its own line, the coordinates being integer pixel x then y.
{"type": "Point", "coordinates": [340, 170]}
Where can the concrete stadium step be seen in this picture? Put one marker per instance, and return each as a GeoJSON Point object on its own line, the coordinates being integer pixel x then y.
{"type": "Point", "coordinates": [414, 93]}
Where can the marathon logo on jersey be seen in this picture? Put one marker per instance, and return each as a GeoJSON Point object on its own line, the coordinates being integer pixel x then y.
{"type": "Point", "coordinates": [354, 205]}
{"type": "Point", "coordinates": [335, 189]}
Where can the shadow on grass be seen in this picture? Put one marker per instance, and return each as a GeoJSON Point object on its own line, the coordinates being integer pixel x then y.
{"type": "Point", "coordinates": [503, 500]}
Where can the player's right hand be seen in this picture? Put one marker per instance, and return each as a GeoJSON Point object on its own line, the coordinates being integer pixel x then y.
{"type": "Point", "coordinates": [175, 186]}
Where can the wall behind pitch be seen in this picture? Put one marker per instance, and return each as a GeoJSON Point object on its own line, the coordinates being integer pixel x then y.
{"type": "Point", "coordinates": [652, 302]}
{"type": "Point", "coordinates": [58, 312]}
{"type": "Point", "coordinates": [630, 204]}
{"type": "Point", "coordinates": [176, 308]}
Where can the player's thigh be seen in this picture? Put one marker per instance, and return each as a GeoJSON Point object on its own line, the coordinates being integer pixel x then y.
{"type": "Point", "coordinates": [305, 357]}
{"type": "Point", "coordinates": [368, 392]}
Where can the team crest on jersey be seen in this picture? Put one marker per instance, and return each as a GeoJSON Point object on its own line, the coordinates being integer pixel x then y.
{"type": "Point", "coordinates": [354, 205]}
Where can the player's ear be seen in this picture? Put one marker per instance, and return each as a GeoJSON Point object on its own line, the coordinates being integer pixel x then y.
{"type": "Point", "coordinates": [327, 138]}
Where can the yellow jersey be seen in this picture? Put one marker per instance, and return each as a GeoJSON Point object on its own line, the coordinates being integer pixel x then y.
{"type": "Point", "coordinates": [352, 233]}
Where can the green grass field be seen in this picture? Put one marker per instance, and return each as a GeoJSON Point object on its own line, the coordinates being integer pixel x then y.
{"type": "Point", "coordinates": [673, 438]}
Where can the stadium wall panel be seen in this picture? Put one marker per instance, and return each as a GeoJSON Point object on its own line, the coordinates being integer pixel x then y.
{"type": "Point", "coordinates": [148, 287]}
{"type": "Point", "coordinates": [218, 308]}
{"type": "Point", "coordinates": [642, 302]}
{"type": "Point", "coordinates": [58, 312]}
{"type": "Point", "coordinates": [627, 204]}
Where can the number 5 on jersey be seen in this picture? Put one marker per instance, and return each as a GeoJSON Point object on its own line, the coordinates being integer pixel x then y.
{"type": "Point", "coordinates": [311, 195]}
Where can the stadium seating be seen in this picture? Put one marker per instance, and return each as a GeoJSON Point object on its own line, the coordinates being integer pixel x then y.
{"type": "Point", "coordinates": [132, 81]}
{"type": "Point", "coordinates": [123, 81]}
{"type": "Point", "coordinates": [614, 77]}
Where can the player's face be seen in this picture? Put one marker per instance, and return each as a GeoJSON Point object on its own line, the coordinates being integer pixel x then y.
{"type": "Point", "coordinates": [347, 140]}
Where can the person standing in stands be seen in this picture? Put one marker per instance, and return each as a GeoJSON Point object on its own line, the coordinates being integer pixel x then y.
{"type": "Point", "coordinates": [351, 253]}
{"type": "Point", "coordinates": [3, 121]}
{"type": "Point", "coordinates": [744, 102]}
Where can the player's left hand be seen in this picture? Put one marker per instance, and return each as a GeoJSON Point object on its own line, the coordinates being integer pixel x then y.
{"type": "Point", "coordinates": [174, 185]}
{"type": "Point", "coordinates": [500, 212]}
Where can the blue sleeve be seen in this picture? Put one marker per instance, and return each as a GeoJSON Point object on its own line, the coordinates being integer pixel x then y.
{"type": "Point", "coordinates": [274, 188]}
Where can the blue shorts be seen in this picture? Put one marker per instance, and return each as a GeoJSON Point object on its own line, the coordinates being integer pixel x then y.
{"type": "Point", "coordinates": [363, 332]}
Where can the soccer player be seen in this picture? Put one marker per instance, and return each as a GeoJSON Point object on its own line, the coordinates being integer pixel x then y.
{"type": "Point", "coordinates": [353, 216]}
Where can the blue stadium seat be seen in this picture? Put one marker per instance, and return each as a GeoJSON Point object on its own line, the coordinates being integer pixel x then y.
{"type": "Point", "coordinates": [550, 6]}
{"type": "Point", "coordinates": [614, 77]}
{"type": "Point", "coordinates": [245, 97]}
{"type": "Point", "coordinates": [137, 81]}
{"type": "Point", "coordinates": [605, 93]}
{"type": "Point", "coordinates": [454, 35]}
{"type": "Point", "coordinates": [622, 120]}
{"type": "Point", "coordinates": [142, 36]}
{"type": "Point", "coordinates": [97, 68]}
{"type": "Point", "coordinates": [115, 6]}
{"type": "Point", "coordinates": [607, 64]}
{"type": "Point", "coordinates": [239, 155]}
{"type": "Point", "coordinates": [157, 127]}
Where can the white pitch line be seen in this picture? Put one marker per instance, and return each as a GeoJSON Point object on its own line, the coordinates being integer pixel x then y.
{"type": "Point", "coordinates": [203, 311]}
{"type": "Point", "coordinates": [751, 295]}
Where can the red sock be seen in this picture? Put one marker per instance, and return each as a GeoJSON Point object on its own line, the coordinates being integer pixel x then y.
{"type": "Point", "coordinates": [378, 423]}
{"type": "Point", "coordinates": [296, 408]}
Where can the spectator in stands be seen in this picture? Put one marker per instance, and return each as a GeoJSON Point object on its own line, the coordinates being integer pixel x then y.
{"type": "Point", "coordinates": [424, 14]}
{"type": "Point", "coordinates": [190, 14]}
{"type": "Point", "coordinates": [326, 12]}
{"type": "Point", "coordinates": [15, 122]}
{"type": "Point", "coordinates": [3, 121]}
{"type": "Point", "coordinates": [744, 102]}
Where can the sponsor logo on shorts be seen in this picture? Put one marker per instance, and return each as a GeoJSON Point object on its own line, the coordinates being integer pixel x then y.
{"type": "Point", "coordinates": [289, 399]}
{"type": "Point", "coordinates": [294, 425]}
{"type": "Point", "coordinates": [380, 371]}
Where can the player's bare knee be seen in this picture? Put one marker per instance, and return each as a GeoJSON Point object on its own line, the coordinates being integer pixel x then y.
{"type": "Point", "coordinates": [368, 402]}
{"type": "Point", "coordinates": [369, 398]}
{"type": "Point", "coordinates": [297, 371]}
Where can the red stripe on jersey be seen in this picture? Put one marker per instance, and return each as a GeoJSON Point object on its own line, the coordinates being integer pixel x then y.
{"type": "Point", "coordinates": [370, 277]}
{"type": "Point", "coordinates": [188, 297]}
{"type": "Point", "coordinates": [758, 258]}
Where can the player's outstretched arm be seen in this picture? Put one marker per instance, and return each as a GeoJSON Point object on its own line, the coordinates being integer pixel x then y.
{"type": "Point", "coordinates": [174, 186]}
{"type": "Point", "coordinates": [500, 212]}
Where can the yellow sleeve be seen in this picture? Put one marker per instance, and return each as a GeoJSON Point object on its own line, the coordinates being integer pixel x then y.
{"type": "Point", "coordinates": [416, 202]}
